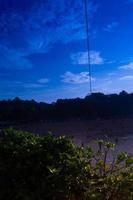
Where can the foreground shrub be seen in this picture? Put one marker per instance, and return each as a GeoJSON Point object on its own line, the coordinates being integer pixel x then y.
{"type": "Point", "coordinates": [54, 168]}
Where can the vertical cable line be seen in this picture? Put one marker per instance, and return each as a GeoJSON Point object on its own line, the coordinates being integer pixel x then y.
{"type": "Point", "coordinates": [88, 44]}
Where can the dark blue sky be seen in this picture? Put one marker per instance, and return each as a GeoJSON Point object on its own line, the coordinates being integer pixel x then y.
{"type": "Point", "coordinates": [43, 48]}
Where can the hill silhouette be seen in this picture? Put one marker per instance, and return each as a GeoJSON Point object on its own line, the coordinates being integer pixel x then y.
{"type": "Point", "coordinates": [96, 105]}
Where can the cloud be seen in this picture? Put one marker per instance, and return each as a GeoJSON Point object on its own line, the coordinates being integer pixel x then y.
{"type": "Point", "coordinates": [31, 27]}
{"type": "Point", "coordinates": [19, 84]}
{"type": "Point", "coordinates": [77, 78]}
{"type": "Point", "coordinates": [126, 78]}
{"type": "Point", "coordinates": [32, 85]}
{"type": "Point", "coordinates": [111, 62]}
{"type": "Point", "coordinates": [128, 66]}
{"type": "Point", "coordinates": [111, 27]}
{"type": "Point", "coordinates": [81, 58]}
{"type": "Point", "coordinates": [38, 84]}
{"type": "Point", "coordinates": [43, 80]}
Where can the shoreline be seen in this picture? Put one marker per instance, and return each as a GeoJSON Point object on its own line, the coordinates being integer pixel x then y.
{"type": "Point", "coordinates": [85, 131]}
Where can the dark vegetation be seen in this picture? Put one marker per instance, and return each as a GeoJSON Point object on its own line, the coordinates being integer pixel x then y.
{"type": "Point", "coordinates": [54, 168]}
{"type": "Point", "coordinates": [92, 106]}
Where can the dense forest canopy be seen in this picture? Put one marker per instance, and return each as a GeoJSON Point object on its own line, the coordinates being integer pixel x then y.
{"type": "Point", "coordinates": [96, 105]}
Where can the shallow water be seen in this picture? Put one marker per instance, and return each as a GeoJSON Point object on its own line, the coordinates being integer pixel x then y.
{"type": "Point", "coordinates": [86, 131]}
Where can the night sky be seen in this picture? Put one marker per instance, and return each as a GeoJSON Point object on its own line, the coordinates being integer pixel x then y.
{"type": "Point", "coordinates": [43, 48]}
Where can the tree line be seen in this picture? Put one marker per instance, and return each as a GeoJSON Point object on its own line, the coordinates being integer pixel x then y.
{"type": "Point", "coordinates": [96, 105]}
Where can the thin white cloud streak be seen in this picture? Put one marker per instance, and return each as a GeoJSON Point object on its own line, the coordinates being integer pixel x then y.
{"type": "Point", "coordinates": [81, 58]}
{"type": "Point", "coordinates": [126, 78]}
{"type": "Point", "coordinates": [20, 84]}
{"type": "Point", "coordinates": [38, 84]}
{"type": "Point", "coordinates": [76, 78]}
{"type": "Point", "coordinates": [128, 66]}
{"type": "Point", "coordinates": [111, 27]}
{"type": "Point", "coordinates": [32, 85]}
{"type": "Point", "coordinates": [43, 80]}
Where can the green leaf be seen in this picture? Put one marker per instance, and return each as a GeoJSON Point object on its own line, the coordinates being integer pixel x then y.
{"type": "Point", "coordinates": [129, 161]}
{"type": "Point", "coordinates": [121, 157]}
